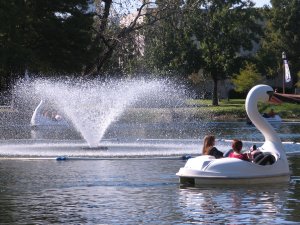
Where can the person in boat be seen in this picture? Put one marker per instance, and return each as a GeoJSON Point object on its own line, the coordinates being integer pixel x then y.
{"type": "Point", "coordinates": [209, 148]}
{"type": "Point", "coordinates": [53, 115]}
{"type": "Point", "coordinates": [46, 114]}
{"type": "Point", "coordinates": [237, 146]}
{"type": "Point", "coordinates": [56, 116]}
{"type": "Point", "coordinates": [270, 114]}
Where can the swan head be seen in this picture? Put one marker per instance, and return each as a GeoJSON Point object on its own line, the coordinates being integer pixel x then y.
{"type": "Point", "coordinates": [263, 93]}
{"type": "Point", "coordinates": [260, 92]}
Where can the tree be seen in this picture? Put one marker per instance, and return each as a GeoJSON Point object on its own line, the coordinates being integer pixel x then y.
{"type": "Point", "coordinates": [169, 49]}
{"type": "Point", "coordinates": [247, 78]}
{"type": "Point", "coordinates": [298, 83]}
{"type": "Point", "coordinates": [117, 27]}
{"type": "Point", "coordinates": [59, 35]}
{"type": "Point", "coordinates": [43, 37]}
{"type": "Point", "coordinates": [282, 34]}
{"type": "Point", "coordinates": [13, 52]}
{"type": "Point", "coordinates": [223, 29]}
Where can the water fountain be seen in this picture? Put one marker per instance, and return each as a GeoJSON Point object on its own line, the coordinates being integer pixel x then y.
{"type": "Point", "coordinates": [98, 111]}
{"type": "Point", "coordinates": [92, 106]}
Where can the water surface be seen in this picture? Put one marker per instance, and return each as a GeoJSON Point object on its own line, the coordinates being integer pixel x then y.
{"type": "Point", "coordinates": [134, 191]}
{"type": "Point", "coordinates": [134, 181]}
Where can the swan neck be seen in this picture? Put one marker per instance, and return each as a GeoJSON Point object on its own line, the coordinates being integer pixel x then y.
{"type": "Point", "coordinates": [260, 123]}
{"type": "Point", "coordinates": [36, 112]}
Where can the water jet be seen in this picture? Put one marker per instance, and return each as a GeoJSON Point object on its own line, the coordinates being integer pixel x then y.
{"type": "Point", "coordinates": [92, 106]}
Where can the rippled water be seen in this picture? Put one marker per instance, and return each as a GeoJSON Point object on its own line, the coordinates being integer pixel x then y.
{"type": "Point", "coordinates": [134, 181]}
{"type": "Point", "coordinates": [134, 191]}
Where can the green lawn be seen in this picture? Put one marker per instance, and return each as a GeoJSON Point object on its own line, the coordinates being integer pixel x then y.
{"type": "Point", "coordinates": [237, 107]}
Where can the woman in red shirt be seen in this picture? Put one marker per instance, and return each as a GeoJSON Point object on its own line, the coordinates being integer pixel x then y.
{"type": "Point", "coordinates": [237, 146]}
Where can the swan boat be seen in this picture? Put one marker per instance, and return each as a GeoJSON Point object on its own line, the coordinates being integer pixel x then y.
{"type": "Point", "coordinates": [39, 119]}
{"type": "Point", "coordinates": [275, 119]}
{"type": "Point", "coordinates": [203, 170]}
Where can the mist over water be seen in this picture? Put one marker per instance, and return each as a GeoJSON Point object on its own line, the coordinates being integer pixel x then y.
{"type": "Point", "coordinates": [93, 105]}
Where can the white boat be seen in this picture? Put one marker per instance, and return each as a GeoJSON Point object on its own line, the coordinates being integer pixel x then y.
{"type": "Point", "coordinates": [274, 119]}
{"type": "Point", "coordinates": [39, 119]}
{"type": "Point", "coordinates": [203, 170]}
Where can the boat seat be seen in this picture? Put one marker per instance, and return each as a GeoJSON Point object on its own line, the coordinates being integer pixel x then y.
{"type": "Point", "coordinates": [227, 153]}
{"type": "Point", "coordinates": [264, 159]}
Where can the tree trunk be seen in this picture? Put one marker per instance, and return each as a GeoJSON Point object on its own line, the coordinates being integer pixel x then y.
{"type": "Point", "coordinates": [215, 101]}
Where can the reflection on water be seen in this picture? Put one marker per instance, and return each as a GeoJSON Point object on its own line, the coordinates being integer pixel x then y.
{"type": "Point", "coordinates": [235, 205]}
{"type": "Point", "coordinates": [293, 200]}
{"type": "Point", "coordinates": [251, 204]}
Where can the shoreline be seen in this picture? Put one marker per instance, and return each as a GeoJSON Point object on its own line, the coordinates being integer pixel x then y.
{"type": "Point", "coordinates": [152, 115]}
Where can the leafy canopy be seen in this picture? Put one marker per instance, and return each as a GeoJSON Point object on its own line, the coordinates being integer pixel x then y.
{"type": "Point", "coordinates": [247, 78]}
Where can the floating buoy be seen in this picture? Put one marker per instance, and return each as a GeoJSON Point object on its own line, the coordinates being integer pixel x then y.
{"type": "Point", "coordinates": [185, 157]}
{"type": "Point", "coordinates": [61, 158]}
{"type": "Point", "coordinates": [96, 148]}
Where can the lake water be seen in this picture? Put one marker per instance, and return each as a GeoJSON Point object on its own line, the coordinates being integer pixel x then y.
{"type": "Point", "coordinates": [134, 181]}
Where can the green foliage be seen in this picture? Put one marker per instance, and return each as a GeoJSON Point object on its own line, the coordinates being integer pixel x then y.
{"type": "Point", "coordinates": [169, 49]}
{"type": "Point", "coordinates": [13, 51]}
{"type": "Point", "coordinates": [298, 83]}
{"type": "Point", "coordinates": [235, 108]}
{"type": "Point", "coordinates": [65, 37]}
{"type": "Point", "coordinates": [203, 34]}
{"type": "Point", "coordinates": [285, 110]}
{"type": "Point", "coordinates": [223, 28]}
{"type": "Point", "coordinates": [282, 33]}
{"type": "Point", "coordinates": [60, 33]}
{"type": "Point", "coordinates": [43, 37]}
{"type": "Point", "coordinates": [247, 78]}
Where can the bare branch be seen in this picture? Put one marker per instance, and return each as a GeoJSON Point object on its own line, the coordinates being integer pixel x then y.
{"type": "Point", "coordinates": [111, 34]}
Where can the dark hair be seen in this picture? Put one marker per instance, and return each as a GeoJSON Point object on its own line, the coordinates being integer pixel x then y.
{"type": "Point", "coordinates": [237, 145]}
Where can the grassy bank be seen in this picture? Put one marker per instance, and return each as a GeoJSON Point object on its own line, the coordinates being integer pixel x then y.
{"type": "Point", "coordinates": [235, 108]}
{"type": "Point", "coordinates": [202, 110]}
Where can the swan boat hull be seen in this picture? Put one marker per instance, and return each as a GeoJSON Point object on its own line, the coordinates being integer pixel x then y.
{"type": "Point", "coordinates": [202, 181]}
{"type": "Point", "coordinates": [206, 170]}
{"type": "Point", "coordinates": [275, 119]}
{"type": "Point", "coordinates": [41, 121]}
{"type": "Point", "coordinates": [272, 120]}
{"type": "Point", "coordinates": [38, 120]}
